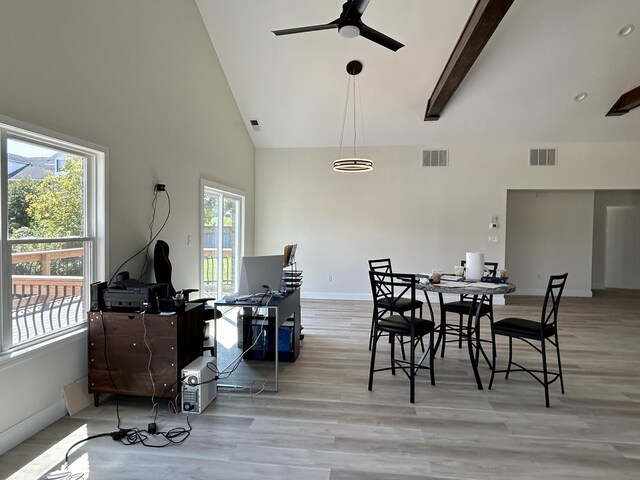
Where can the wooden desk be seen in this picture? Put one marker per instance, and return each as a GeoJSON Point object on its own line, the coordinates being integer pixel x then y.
{"type": "Point", "coordinates": [482, 292]}
{"type": "Point", "coordinates": [120, 345]}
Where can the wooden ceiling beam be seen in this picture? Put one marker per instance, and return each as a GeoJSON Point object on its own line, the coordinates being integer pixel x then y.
{"type": "Point", "coordinates": [484, 19]}
{"type": "Point", "coordinates": [626, 102]}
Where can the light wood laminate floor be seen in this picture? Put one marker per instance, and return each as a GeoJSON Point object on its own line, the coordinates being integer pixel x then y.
{"type": "Point", "coordinates": [323, 423]}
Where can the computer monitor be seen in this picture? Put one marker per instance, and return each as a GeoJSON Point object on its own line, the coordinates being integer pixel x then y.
{"type": "Point", "coordinates": [258, 271]}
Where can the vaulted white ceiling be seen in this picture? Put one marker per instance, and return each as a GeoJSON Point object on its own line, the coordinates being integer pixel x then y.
{"type": "Point", "coordinates": [520, 89]}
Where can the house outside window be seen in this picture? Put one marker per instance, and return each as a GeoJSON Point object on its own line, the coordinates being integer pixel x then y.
{"type": "Point", "coordinates": [53, 208]}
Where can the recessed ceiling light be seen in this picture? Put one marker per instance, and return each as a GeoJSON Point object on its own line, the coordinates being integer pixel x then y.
{"type": "Point", "coordinates": [580, 97]}
{"type": "Point", "coordinates": [626, 30]}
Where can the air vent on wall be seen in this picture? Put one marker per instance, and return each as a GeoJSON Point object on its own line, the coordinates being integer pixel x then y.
{"type": "Point", "coordinates": [435, 158]}
{"type": "Point", "coordinates": [542, 157]}
{"type": "Point", "coordinates": [255, 125]}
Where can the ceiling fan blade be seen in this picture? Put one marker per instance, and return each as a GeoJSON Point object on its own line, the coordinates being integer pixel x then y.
{"type": "Point", "coordinates": [380, 38]}
{"type": "Point", "coordinates": [357, 5]}
{"type": "Point", "coordinates": [311, 28]}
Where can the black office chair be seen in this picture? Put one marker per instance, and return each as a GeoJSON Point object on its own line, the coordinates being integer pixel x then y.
{"type": "Point", "coordinates": [530, 331]}
{"type": "Point", "coordinates": [383, 265]}
{"type": "Point", "coordinates": [163, 269]}
{"type": "Point", "coordinates": [395, 320]}
{"type": "Point", "coordinates": [462, 308]}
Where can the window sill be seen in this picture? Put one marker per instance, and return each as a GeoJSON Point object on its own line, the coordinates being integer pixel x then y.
{"type": "Point", "coordinates": [26, 353]}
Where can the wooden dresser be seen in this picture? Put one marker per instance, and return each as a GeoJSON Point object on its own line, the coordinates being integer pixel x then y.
{"type": "Point", "coordinates": [121, 365]}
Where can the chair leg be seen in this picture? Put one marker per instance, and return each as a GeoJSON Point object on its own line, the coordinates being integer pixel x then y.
{"type": "Point", "coordinates": [460, 330]}
{"type": "Point", "coordinates": [432, 354]}
{"type": "Point", "coordinates": [559, 364]}
{"type": "Point", "coordinates": [421, 342]}
{"type": "Point", "coordinates": [545, 376]}
{"type": "Point", "coordinates": [495, 358]}
{"type": "Point", "coordinates": [442, 338]}
{"type": "Point", "coordinates": [510, 357]}
{"type": "Point", "coordinates": [412, 371]}
{"type": "Point", "coordinates": [393, 352]}
{"type": "Point", "coordinates": [373, 323]}
{"type": "Point", "coordinates": [373, 359]}
{"type": "Point", "coordinates": [493, 351]}
{"type": "Point", "coordinates": [404, 355]}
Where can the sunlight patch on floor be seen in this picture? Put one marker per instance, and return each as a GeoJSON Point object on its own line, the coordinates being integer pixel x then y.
{"type": "Point", "coordinates": [53, 459]}
{"type": "Point", "coordinates": [227, 329]}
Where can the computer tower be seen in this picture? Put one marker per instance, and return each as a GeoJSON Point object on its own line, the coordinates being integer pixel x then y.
{"type": "Point", "coordinates": [199, 385]}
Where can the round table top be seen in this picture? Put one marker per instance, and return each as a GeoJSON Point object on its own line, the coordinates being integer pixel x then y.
{"type": "Point", "coordinates": [469, 288]}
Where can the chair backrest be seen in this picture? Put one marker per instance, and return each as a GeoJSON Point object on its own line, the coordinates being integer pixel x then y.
{"type": "Point", "coordinates": [552, 297]}
{"type": "Point", "coordinates": [491, 267]}
{"type": "Point", "coordinates": [389, 288]}
{"type": "Point", "coordinates": [382, 265]}
{"type": "Point", "coordinates": [162, 265]}
{"type": "Point", "coordinates": [379, 265]}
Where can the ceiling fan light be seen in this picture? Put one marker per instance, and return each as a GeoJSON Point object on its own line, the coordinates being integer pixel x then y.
{"type": "Point", "coordinates": [353, 165]}
{"type": "Point", "coordinates": [626, 30]}
{"type": "Point", "coordinates": [349, 31]}
{"type": "Point", "coordinates": [580, 97]}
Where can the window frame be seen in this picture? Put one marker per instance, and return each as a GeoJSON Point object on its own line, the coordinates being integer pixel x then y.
{"type": "Point", "coordinates": [95, 224]}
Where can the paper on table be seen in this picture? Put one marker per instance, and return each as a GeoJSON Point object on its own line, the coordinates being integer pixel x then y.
{"type": "Point", "coordinates": [485, 285]}
{"type": "Point", "coordinates": [452, 278]}
{"type": "Point", "coordinates": [453, 284]}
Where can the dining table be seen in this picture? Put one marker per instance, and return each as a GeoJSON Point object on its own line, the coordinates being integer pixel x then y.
{"type": "Point", "coordinates": [479, 292]}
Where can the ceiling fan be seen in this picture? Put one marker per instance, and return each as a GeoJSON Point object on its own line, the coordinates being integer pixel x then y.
{"type": "Point", "coordinates": [350, 25]}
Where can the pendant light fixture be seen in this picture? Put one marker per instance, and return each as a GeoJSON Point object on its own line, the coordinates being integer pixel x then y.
{"type": "Point", "coordinates": [353, 164]}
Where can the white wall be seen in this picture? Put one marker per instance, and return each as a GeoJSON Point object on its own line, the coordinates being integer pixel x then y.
{"type": "Point", "coordinates": [422, 218]}
{"type": "Point", "coordinates": [141, 78]}
{"type": "Point", "coordinates": [550, 232]}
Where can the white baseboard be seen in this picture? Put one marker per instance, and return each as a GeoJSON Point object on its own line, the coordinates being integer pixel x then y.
{"type": "Point", "coordinates": [566, 293]}
{"type": "Point", "coordinates": [18, 433]}
{"type": "Point", "coordinates": [335, 296]}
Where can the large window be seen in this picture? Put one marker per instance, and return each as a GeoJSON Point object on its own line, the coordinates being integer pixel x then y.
{"type": "Point", "coordinates": [222, 239]}
{"type": "Point", "coordinates": [53, 209]}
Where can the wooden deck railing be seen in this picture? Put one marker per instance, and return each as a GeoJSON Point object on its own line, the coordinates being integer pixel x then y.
{"type": "Point", "coordinates": [210, 267]}
{"type": "Point", "coordinates": [45, 257]}
{"type": "Point", "coordinates": [44, 304]}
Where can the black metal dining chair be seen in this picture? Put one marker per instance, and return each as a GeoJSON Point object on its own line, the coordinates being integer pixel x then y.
{"type": "Point", "coordinates": [536, 334]}
{"type": "Point", "coordinates": [163, 270]}
{"type": "Point", "coordinates": [396, 321]}
{"type": "Point", "coordinates": [462, 308]}
{"type": "Point", "coordinates": [380, 297]}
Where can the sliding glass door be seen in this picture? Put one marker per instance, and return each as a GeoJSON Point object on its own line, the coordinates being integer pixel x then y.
{"type": "Point", "coordinates": [222, 221]}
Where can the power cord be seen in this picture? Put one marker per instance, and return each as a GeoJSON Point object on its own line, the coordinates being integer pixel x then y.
{"type": "Point", "coordinates": [132, 436]}
{"type": "Point", "coordinates": [154, 203]}
{"type": "Point", "coordinates": [146, 247]}
{"type": "Point", "coordinates": [154, 405]}
{"type": "Point", "coordinates": [235, 363]}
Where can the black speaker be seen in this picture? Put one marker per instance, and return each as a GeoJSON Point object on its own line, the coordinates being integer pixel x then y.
{"type": "Point", "coordinates": [97, 296]}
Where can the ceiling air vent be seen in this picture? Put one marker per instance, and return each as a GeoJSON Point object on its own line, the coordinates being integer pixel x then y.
{"type": "Point", "coordinates": [542, 157]}
{"type": "Point", "coordinates": [255, 125]}
{"type": "Point", "coordinates": [435, 158]}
